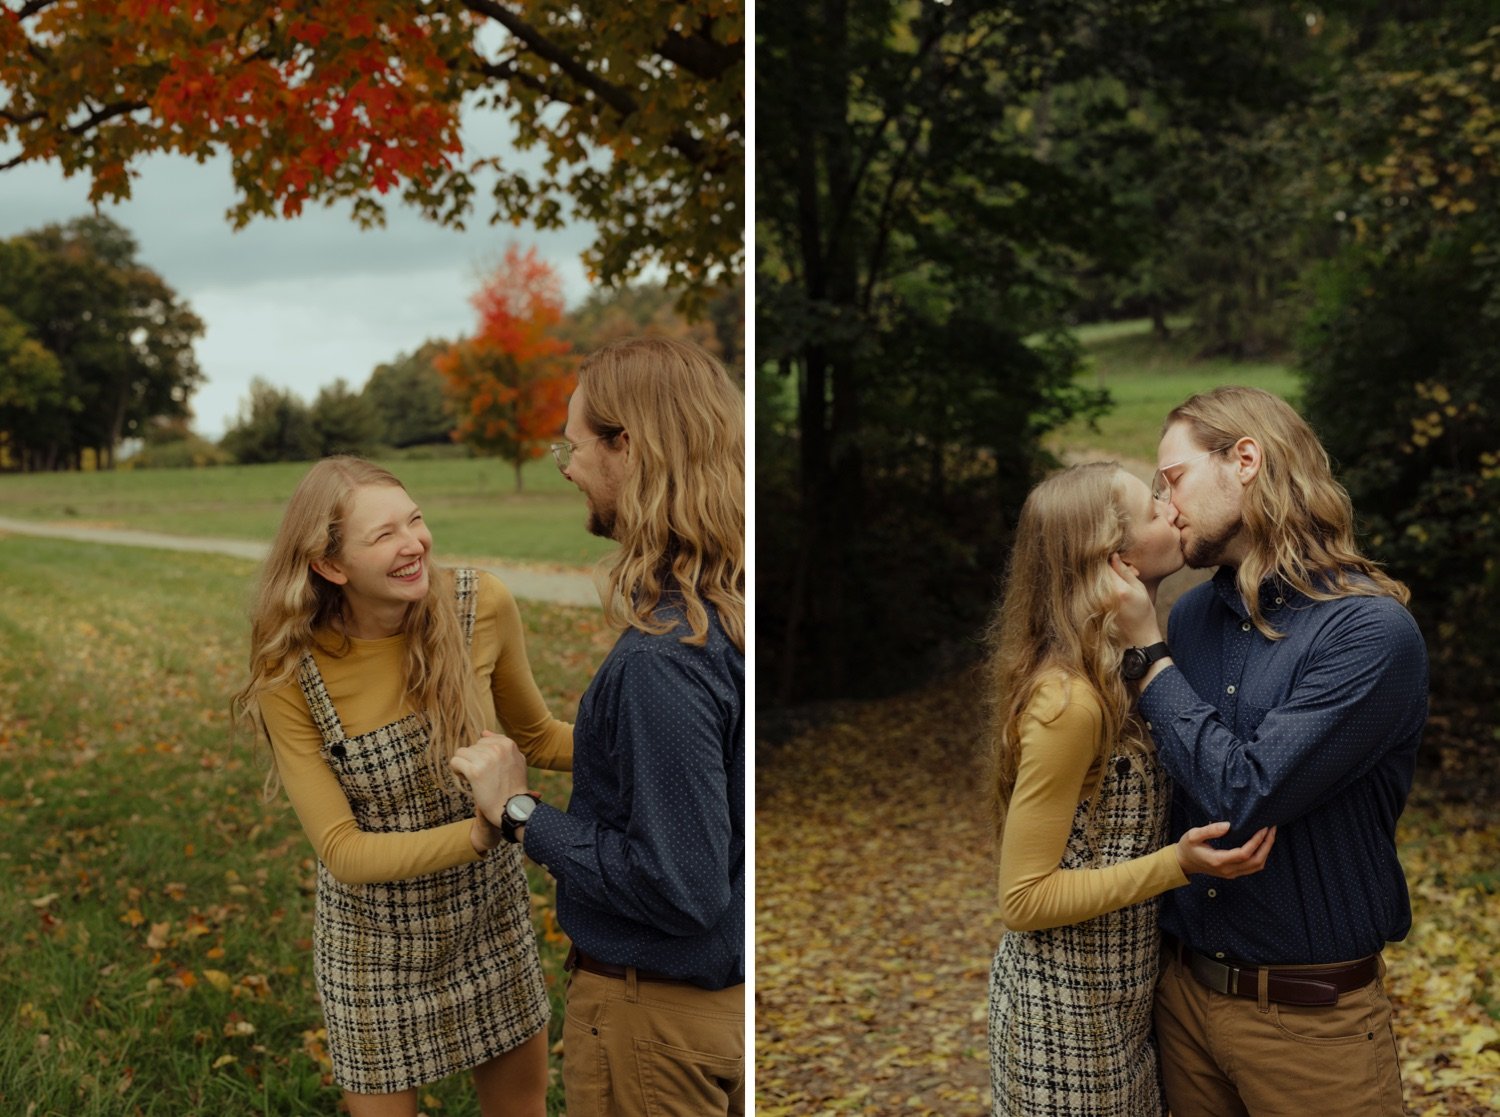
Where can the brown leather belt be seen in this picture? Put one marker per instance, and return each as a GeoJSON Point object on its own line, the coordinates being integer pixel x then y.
{"type": "Point", "coordinates": [1306, 985]}
{"type": "Point", "coordinates": [578, 960]}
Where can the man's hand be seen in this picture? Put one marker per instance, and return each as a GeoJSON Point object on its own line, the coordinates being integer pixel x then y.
{"type": "Point", "coordinates": [495, 769]}
{"type": "Point", "coordinates": [1137, 612]}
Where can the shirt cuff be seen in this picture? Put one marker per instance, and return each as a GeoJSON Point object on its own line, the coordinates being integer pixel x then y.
{"type": "Point", "coordinates": [550, 833]}
{"type": "Point", "coordinates": [1163, 698]}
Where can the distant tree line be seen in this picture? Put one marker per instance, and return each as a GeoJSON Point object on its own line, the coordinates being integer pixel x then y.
{"type": "Point", "coordinates": [96, 349]}
{"type": "Point", "coordinates": [945, 189]}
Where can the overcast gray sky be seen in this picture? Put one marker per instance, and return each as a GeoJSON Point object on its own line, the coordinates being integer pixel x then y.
{"type": "Point", "coordinates": [300, 302]}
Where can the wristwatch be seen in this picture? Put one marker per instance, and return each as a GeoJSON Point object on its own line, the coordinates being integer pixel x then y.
{"type": "Point", "coordinates": [518, 810]}
{"type": "Point", "coordinates": [1137, 661]}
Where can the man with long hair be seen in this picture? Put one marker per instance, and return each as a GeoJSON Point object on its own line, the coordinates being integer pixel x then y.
{"type": "Point", "coordinates": [1293, 695]}
{"type": "Point", "coordinates": [650, 854]}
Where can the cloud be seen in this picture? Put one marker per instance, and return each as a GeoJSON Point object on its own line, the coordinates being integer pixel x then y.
{"type": "Point", "coordinates": [299, 302]}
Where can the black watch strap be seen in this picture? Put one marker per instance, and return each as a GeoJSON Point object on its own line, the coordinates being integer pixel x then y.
{"type": "Point", "coordinates": [1137, 661]}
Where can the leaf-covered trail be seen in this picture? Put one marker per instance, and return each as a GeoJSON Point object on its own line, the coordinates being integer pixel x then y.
{"type": "Point", "coordinates": [875, 914]}
{"type": "Point", "coordinates": [875, 920]}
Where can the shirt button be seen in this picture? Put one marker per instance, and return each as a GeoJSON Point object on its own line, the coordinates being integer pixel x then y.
{"type": "Point", "coordinates": [1218, 954]}
{"type": "Point", "coordinates": [1148, 725]}
{"type": "Point", "coordinates": [1245, 627]}
{"type": "Point", "coordinates": [1212, 892]}
{"type": "Point", "coordinates": [1281, 601]}
{"type": "Point", "coordinates": [1229, 690]}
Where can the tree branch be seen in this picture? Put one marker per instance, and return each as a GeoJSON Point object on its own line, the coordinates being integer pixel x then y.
{"type": "Point", "coordinates": [612, 95]}
{"type": "Point", "coordinates": [699, 55]}
{"type": "Point", "coordinates": [680, 140]}
{"type": "Point", "coordinates": [108, 112]}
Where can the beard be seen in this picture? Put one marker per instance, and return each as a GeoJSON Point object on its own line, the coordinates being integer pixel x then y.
{"type": "Point", "coordinates": [1208, 549]}
{"type": "Point", "coordinates": [601, 522]}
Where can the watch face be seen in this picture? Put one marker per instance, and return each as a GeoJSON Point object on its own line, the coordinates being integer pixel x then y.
{"type": "Point", "coordinates": [1133, 666]}
{"type": "Point", "coordinates": [519, 807]}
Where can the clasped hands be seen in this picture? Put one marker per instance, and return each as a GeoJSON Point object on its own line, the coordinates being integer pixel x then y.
{"type": "Point", "coordinates": [495, 770]}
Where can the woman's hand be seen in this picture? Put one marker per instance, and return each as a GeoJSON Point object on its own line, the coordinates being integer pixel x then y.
{"type": "Point", "coordinates": [1137, 613]}
{"type": "Point", "coordinates": [484, 835]}
{"type": "Point", "coordinates": [495, 769]}
{"type": "Point", "coordinates": [1195, 855]}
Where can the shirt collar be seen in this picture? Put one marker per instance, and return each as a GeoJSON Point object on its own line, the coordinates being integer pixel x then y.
{"type": "Point", "coordinates": [1274, 593]}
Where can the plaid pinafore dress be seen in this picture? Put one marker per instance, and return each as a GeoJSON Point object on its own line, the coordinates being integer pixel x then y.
{"type": "Point", "coordinates": [1070, 1007]}
{"type": "Point", "coordinates": [422, 977]}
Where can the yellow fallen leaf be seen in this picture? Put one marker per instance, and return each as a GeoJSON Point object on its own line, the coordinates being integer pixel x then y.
{"type": "Point", "coordinates": [157, 937]}
{"type": "Point", "coordinates": [218, 979]}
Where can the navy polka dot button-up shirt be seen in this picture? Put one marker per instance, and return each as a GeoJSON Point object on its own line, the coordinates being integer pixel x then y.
{"type": "Point", "coordinates": [650, 854]}
{"type": "Point", "coordinates": [1315, 733]}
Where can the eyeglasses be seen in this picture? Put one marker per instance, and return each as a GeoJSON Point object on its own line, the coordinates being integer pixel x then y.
{"type": "Point", "coordinates": [562, 452]}
{"type": "Point", "coordinates": [1161, 488]}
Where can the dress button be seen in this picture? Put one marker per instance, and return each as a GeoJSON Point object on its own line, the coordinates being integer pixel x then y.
{"type": "Point", "coordinates": [1229, 690]}
{"type": "Point", "coordinates": [1122, 766]}
{"type": "Point", "coordinates": [338, 752]}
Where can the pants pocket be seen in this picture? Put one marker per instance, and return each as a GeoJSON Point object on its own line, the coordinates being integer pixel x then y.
{"type": "Point", "coordinates": [679, 1082]}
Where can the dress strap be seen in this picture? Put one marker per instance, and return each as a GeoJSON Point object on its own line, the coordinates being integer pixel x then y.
{"type": "Point", "coordinates": [324, 716]}
{"type": "Point", "coordinates": [466, 585]}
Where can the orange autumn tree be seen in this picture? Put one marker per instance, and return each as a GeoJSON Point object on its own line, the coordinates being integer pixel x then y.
{"type": "Point", "coordinates": [635, 109]}
{"type": "Point", "coordinates": [510, 382]}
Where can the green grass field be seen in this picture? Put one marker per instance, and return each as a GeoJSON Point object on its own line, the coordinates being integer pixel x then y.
{"type": "Point", "coordinates": [1146, 378]}
{"type": "Point", "coordinates": [155, 914]}
{"type": "Point", "coordinates": [470, 504]}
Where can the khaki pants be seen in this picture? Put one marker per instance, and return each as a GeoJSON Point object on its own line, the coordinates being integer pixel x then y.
{"type": "Point", "coordinates": [637, 1048]}
{"type": "Point", "coordinates": [1225, 1056]}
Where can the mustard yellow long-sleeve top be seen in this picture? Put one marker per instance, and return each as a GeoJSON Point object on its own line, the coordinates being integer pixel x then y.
{"type": "Point", "coordinates": [366, 687]}
{"type": "Point", "coordinates": [1062, 757]}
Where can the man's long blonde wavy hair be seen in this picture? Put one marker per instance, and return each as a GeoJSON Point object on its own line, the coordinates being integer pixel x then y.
{"type": "Point", "coordinates": [1298, 520]}
{"type": "Point", "coordinates": [680, 513]}
{"type": "Point", "coordinates": [293, 602]}
{"type": "Point", "coordinates": [1057, 617]}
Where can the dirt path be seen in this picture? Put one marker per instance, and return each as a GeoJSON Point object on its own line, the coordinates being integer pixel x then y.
{"type": "Point", "coordinates": [532, 583]}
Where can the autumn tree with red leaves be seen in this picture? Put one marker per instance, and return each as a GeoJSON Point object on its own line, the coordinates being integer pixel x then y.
{"type": "Point", "coordinates": [510, 382]}
{"type": "Point", "coordinates": [637, 110]}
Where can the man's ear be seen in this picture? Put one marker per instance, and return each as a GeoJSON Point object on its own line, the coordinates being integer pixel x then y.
{"type": "Point", "coordinates": [330, 571]}
{"type": "Point", "coordinates": [1247, 459]}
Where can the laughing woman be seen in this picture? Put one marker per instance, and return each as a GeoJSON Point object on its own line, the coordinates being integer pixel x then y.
{"type": "Point", "coordinates": [1080, 805]}
{"type": "Point", "coordinates": [369, 667]}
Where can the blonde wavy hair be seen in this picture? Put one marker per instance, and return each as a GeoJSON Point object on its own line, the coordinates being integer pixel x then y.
{"type": "Point", "coordinates": [1057, 617]}
{"type": "Point", "coordinates": [294, 605]}
{"type": "Point", "coordinates": [680, 515]}
{"type": "Point", "coordinates": [1298, 519]}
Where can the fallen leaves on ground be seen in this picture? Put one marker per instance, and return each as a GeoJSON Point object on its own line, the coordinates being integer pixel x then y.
{"type": "Point", "coordinates": [875, 914]}
{"type": "Point", "coordinates": [876, 922]}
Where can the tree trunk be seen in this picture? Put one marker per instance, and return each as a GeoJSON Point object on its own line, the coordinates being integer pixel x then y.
{"type": "Point", "coordinates": [1158, 319]}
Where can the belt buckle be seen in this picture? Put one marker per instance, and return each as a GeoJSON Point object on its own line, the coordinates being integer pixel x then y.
{"type": "Point", "coordinates": [1216, 975]}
